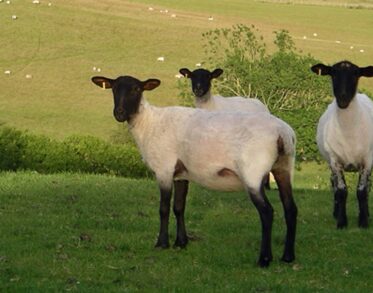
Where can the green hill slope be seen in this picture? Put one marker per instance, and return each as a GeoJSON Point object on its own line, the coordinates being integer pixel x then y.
{"type": "Point", "coordinates": [59, 45]}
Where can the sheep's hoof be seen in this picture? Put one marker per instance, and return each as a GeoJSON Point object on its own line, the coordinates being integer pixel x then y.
{"type": "Point", "coordinates": [162, 244]}
{"type": "Point", "coordinates": [342, 223]}
{"type": "Point", "coordinates": [264, 262]}
{"type": "Point", "coordinates": [363, 221]}
{"type": "Point", "coordinates": [288, 258]}
{"type": "Point", "coordinates": [182, 243]}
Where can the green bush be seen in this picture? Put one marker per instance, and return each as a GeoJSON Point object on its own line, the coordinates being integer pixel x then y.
{"type": "Point", "coordinates": [306, 125]}
{"type": "Point", "coordinates": [12, 145]}
{"type": "Point", "coordinates": [282, 79]}
{"type": "Point", "coordinates": [24, 151]}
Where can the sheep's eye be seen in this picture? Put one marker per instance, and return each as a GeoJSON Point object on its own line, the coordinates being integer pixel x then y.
{"type": "Point", "coordinates": [136, 89]}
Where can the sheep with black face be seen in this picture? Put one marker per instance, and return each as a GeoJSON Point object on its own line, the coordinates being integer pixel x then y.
{"type": "Point", "coordinates": [201, 80]}
{"type": "Point", "coordinates": [345, 136]}
{"type": "Point", "coordinates": [219, 150]}
{"type": "Point", "coordinates": [201, 86]}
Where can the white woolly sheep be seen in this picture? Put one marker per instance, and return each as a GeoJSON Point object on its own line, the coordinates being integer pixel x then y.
{"type": "Point", "coordinates": [345, 136]}
{"type": "Point", "coordinates": [201, 87]}
{"type": "Point", "coordinates": [219, 150]}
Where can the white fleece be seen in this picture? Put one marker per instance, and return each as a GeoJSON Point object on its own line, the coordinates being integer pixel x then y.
{"type": "Point", "coordinates": [345, 136]}
{"type": "Point", "coordinates": [210, 102]}
{"type": "Point", "coordinates": [208, 142]}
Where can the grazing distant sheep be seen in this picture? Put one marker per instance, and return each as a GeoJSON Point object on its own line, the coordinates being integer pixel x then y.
{"type": "Point", "coordinates": [345, 136]}
{"type": "Point", "coordinates": [220, 150]}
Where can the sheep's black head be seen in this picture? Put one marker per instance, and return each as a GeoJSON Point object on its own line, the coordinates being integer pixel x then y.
{"type": "Point", "coordinates": [345, 77]}
{"type": "Point", "coordinates": [127, 93]}
{"type": "Point", "coordinates": [201, 79]}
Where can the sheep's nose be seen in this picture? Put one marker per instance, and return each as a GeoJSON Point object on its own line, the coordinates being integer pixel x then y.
{"type": "Point", "coordinates": [120, 110]}
{"type": "Point", "coordinates": [120, 114]}
{"type": "Point", "coordinates": [198, 92]}
{"type": "Point", "coordinates": [198, 88]}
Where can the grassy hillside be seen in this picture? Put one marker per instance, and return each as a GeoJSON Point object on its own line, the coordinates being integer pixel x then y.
{"type": "Point", "coordinates": [59, 45]}
{"type": "Point", "coordinates": [90, 233]}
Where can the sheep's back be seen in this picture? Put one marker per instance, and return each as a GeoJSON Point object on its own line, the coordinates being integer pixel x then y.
{"type": "Point", "coordinates": [239, 104]}
{"type": "Point", "coordinates": [222, 137]}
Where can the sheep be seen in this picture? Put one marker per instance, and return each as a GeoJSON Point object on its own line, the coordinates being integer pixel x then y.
{"type": "Point", "coordinates": [219, 150]}
{"type": "Point", "coordinates": [345, 136]}
{"type": "Point", "coordinates": [201, 87]}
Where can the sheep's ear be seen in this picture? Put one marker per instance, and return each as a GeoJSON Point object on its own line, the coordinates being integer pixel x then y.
{"type": "Point", "coordinates": [216, 73]}
{"type": "Point", "coordinates": [186, 72]}
{"type": "Point", "coordinates": [321, 69]}
{"type": "Point", "coordinates": [105, 83]}
{"type": "Point", "coordinates": [366, 71]}
{"type": "Point", "coordinates": [151, 84]}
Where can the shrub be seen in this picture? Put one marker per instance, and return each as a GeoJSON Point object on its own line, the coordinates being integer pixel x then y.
{"type": "Point", "coordinates": [282, 80]}
{"type": "Point", "coordinates": [12, 145]}
{"type": "Point", "coordinates": [24, 151]}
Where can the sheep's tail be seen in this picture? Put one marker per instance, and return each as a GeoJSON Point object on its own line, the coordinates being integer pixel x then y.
{"type": "Point", "coordinates": [286, 143]}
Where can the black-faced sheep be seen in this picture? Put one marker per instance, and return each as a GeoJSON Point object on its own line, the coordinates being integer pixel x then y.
{"type": "Point", "coordinates": [345, 136]}
{"type": "Point", "coordinates": [219, 150]}
{"type": "Point", "coordinates": [201, 80]}
{"type": "Point", "coordinates": [201, 86]}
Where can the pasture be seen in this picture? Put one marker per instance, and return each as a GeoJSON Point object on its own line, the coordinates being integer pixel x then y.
{"type": "Point", "coordinates": [59, 45]}
{"type": "Point", "coordinates": [89, 233]}
{"type": "Point", "coordinates": [95, 233]}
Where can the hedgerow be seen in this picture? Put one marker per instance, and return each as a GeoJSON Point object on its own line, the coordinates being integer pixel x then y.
{"type": "Point", "coordinates": [24, 151]}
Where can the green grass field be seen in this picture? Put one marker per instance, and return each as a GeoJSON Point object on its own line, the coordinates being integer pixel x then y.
{"type": "Point", "coordinates": [60, 44]}
{"type": "Point", "coordinates": [89, 233]}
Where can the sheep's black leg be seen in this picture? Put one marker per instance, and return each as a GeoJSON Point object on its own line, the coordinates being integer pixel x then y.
{"type": "Point", "coordinates": [164, 213]}
{"type": "Point", "coordinates": [340, 197]}
{"type": "Point", "coordinates": [266, 182]}
{"type": "Point", "coordinates": [283, 181]}
{"type": "Point", "coordinates": [181, 191]}
{"type": "Point", "coordinates": [362, 196]}
{"type": "Point", "coordinates": [335, 203]}
{"type": "Point", "coordinates": [266, 217]}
